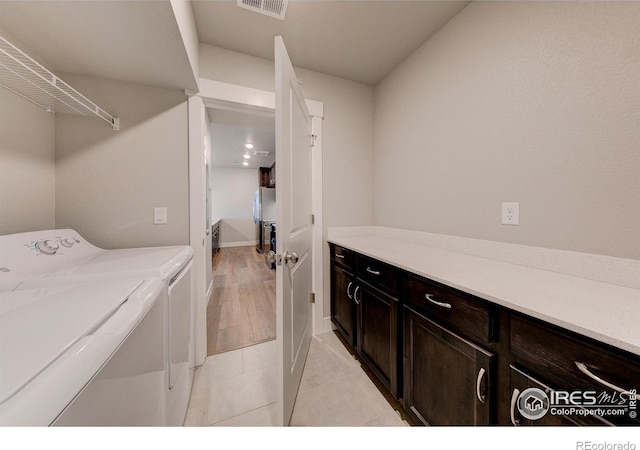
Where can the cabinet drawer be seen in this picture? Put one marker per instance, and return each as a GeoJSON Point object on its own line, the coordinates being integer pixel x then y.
{"type": "Point", "coordinates": [463, 313]}
{"type": "Point", "coordinates": [520, 381]}
{"type": "Point", "coordinates": [378, 274]}
{"type": "Point", "coordinates": [572, 362]}
{"type": "Point", "coordinates": [343, 256]}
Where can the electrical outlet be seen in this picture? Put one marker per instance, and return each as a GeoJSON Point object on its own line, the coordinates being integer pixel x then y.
{"type": "Point", "coordinates": [511, 213]}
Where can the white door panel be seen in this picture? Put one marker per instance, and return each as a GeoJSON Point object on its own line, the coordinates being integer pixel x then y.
{"type": "Point", "coordinates": [295, 231]}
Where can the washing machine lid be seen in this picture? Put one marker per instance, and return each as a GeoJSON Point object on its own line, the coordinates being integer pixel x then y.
{"type": "Point", "coordinates": [161, 262]}
{"type": "Point", "coordinates": [38, 326]}
{"type": "Point", "coordinates": [54, 257]}
{"type": "Point", "coordinates": [23, 256]}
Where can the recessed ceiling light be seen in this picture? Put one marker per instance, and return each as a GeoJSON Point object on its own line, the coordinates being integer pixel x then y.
{"type": "Point", "coordinates": [246, 156]}
{"type": "Point", "coordinates": [245, 163]}
{"type": "Point", "coordinates": [248, 146]}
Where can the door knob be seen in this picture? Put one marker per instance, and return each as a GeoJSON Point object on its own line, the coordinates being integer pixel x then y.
{"type": "Point", "coordinates": [271, 257]}
{"type": "Point", "coordinates": [291, 257]}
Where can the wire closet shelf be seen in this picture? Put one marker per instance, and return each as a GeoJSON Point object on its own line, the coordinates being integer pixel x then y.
{"type": "Point", "coordinates": [20, 74]}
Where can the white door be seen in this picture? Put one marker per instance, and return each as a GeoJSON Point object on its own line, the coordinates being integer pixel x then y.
{"type": "Point", "coordinates": [295, 230]}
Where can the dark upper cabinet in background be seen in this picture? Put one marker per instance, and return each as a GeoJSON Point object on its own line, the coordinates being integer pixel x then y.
{"type": "Point", "coordinates": [267, 176]}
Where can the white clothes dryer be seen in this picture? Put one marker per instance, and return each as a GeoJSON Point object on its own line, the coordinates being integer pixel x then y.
{"type": "Point", "coordinates": [90, 354]}
{"type": "Point", "coordinates": [59, 257]}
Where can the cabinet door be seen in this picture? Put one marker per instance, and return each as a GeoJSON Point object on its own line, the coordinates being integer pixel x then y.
{"type": "Point", "coordinates": [519, 381]}
{"type": "Point", "coordinates": [447, 379]}
{"type": "Point", "coordinates": [342, 305]}
{"type": "Point", "coordinates": [377, 341]}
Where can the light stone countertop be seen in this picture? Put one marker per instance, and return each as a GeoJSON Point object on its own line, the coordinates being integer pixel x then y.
{"type": "Point", "coordinates": [606, 312]}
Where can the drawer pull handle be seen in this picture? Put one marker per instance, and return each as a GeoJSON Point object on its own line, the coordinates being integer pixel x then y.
{"type": "Point", "coordinates": [480, 396]}
{"type": "Point", "coordinates": [339, 256]}
{"type": "Point", "coordinates": [436, 302]}
{"type": "Point", "coordinates": [514, 400]}
{"type": "Point", "coordinates": [373, 272]}
{"type": "Point", "coordinates": [348, 289]}
{"type": "Point", "coordinates": [583, 368]}
{"type": "Point", "coordinates": [355, 298]}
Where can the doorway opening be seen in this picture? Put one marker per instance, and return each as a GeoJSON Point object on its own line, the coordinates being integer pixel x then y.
{"type": "Point", "coordinates": [242, 308]}
{"type": "Point", "coordinates": [258, 358]}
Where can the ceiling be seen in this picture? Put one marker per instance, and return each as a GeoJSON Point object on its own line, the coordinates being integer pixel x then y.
{"type": "Point", "coordinates": [230, 130]}
{"type": "Point", "coordinates": [140, 42]}
{"type": "Point", "coordinates": [135, 41]}
{"type": "Point", "coordinates": [358, 40]}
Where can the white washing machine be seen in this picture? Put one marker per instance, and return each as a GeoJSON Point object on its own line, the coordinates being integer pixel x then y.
{"type": "Point", "coordinates": [60, 257]}
{"type": "Point", "coordinates": [91, 354]}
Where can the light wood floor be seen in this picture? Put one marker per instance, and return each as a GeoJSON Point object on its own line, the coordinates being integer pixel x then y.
{"type": "Point", "coordinates": [242, 310]}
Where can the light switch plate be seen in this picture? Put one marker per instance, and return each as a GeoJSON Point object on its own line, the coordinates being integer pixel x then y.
{"type": "Point", "coordinates": [159, 216]}
{"type": "Point", "coordinates": [511, 213]}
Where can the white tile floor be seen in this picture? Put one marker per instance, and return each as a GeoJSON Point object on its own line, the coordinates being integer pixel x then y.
{"type": "Point", "coordinates": [238, 388]}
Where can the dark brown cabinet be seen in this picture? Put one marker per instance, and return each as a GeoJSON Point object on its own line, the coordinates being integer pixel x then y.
{"type": "Point", "coordinates": [377, 339]}
{"type": "Point", "coordinates": [572, 363]}
{"type": "Point", "coordinates": [365, 313]}
{"type": "Point", "coordinates": [452, 358]}
{"type": "Point", "coordinates": [267, 176]}
{"type": "Point", "coordinates": [343, 307]}
{"type": "Point", "coordinates": [447, 379]}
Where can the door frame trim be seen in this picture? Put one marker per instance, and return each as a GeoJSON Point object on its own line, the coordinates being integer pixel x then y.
{"type": "Point", "coordinates": [228, 96]}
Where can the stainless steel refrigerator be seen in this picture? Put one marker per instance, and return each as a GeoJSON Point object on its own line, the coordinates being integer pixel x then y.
{"type": "Point", "coordinates": [264, 215]}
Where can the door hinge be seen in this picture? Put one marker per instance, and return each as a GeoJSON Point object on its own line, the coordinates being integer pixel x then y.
{"type": "Point", "coordinates": [312, 295]}
{"type": "Point", "coordinates": [313, 219]}
{"type": "Point", "coordinates": [313, 140]}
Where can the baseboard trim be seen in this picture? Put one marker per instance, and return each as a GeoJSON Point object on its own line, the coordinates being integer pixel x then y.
{"type": "Point", "coordinates": [238, 244]}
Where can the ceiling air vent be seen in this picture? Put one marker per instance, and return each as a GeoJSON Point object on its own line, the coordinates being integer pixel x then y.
{"type": "Point", "coordinates": [271, 8]}
{"type": "Point", "coordinates": [260, 153]}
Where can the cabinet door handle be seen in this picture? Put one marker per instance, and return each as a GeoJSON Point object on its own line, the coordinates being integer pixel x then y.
{"type": "Point", "coordinates": [373, 272]}
{"type": "Point", "coordinates": [339, 256]}
{"type": "Point", "coordinates": [432, 299]}
{"type": "Point", "coordinates": [481, 373]}
{"type": "Point", "coordinates": [348, 288]}
{"type": "Point", "coordinates": [355, 298]}
{"type": "Point", "coordinates": [582, 367]}
{"type": "Point", "coordinates": [514, 400]}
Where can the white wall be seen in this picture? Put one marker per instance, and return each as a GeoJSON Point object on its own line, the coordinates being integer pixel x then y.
{"type": "Point", "coordinates": [186, 23]}
{"type": "Point", "coordinates": [27, 166]}
{"type": "Point", "coordinates": [108, 182]}
{"type": "Point", "coordinates": [347, 134]}
{"type": "Point", "coordinates": [536, 102]}
{"type": "Point", "coordinates": [232, 203]}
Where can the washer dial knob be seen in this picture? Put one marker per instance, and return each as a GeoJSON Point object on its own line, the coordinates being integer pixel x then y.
{"type": "Point", "coordinates": [67, 242]}
{"type": "Point", "coordinates": [48, 247]}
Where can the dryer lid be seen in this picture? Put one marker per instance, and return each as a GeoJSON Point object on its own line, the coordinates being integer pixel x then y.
{"type": "Point", "coordinates": [37, 326]}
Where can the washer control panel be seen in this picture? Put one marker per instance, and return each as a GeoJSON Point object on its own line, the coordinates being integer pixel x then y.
{"type": "Point", "coordinates": [34, 253]}
{"type": "Point", "coordinates": [53, 246]}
